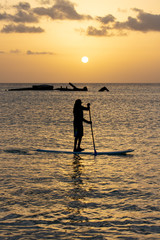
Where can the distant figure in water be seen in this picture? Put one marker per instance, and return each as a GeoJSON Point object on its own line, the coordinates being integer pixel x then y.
{"type": "Point", "coordinates": [78, 124]}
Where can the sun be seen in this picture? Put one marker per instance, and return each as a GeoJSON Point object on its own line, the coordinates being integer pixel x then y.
{"type": "Point", "coordinates": [84, 59]}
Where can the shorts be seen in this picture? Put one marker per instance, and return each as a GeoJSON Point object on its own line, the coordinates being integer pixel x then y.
{"type": "Point", "coordinates": [78, 130]}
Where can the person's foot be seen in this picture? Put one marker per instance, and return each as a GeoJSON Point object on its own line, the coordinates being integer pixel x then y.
{"type": "Point", "coordinates": [79, 149]}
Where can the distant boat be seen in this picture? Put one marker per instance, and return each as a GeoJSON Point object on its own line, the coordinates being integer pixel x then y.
{"type": "Point", "coordinates": [34, 88]}
{"type": "Point", "coordinates": [44, 87]}
{"type": "Point", "coordinates": [103, 89]}
{"type": "Point", "coordinates": [71, 89]}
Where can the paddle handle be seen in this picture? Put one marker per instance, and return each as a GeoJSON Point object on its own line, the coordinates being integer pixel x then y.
{"type": "Point", "coordinates": [95, 153]}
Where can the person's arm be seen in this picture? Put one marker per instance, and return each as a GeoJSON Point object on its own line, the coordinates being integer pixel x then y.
{"type": "Point", "coordinates": [86, 121]}
{"type": "Point", "coordinates": [86, 108]}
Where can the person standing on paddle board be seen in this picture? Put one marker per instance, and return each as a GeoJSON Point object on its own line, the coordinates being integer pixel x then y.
{"type": "Point", "coordinates": [78, 123]}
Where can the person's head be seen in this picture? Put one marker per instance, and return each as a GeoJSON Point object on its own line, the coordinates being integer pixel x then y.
{"type": "Point", "coordinates": [77, 104]}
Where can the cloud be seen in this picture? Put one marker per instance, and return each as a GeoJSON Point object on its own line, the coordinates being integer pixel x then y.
{"type": "Point", "coordinates": [23, 5]}
{"type": "Point", "coordinates": [103, 32]}
{"type": "Point", "coordinates": [61, 10]}
{"type": "Point", "coordinates": [39, 53]}
{"type": "Point", "coordinates": [23, 14]}
{"type": "Point", "coordinates": [5, 16]}
{"type": "Point", "coordinates": [24, 17]}
{"type": "Point", "coordinates": [21, 28]}
{"type": "Point", "coordinates": [107, 19]}
{"type": "Point", "coordinates": [144, 22]}
{"type": "Point", "coordinates": [92, 31]}
{"type": "Point", "coordinates": [65, 10]}
{"type": "Point", "coordinates": [29, 52]}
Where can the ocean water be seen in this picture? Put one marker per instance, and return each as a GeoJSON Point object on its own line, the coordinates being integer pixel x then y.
{"type": "Point", "coordinates": [59, 196]}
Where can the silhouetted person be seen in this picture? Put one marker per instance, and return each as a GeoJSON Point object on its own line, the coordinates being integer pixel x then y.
{"type": "Point", "coordinates": [78, 123]}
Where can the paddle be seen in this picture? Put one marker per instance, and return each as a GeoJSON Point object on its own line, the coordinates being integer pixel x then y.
{"type": "Point", "coordinates": [95, 153]}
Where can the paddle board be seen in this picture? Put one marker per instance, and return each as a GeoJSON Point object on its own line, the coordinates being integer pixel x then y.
{"type": "Point", "coordinates": [65, 151]}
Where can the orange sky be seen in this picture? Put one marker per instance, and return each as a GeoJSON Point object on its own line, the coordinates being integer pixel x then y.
{"type": "Point", "coordinates": [42, 41]}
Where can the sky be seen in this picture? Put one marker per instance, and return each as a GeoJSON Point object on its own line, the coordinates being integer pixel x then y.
{"type": "Point", "coordinates": [43, 41]}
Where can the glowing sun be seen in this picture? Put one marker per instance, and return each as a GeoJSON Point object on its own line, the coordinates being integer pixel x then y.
{"type": "Point", "coordinates": [84, 59]}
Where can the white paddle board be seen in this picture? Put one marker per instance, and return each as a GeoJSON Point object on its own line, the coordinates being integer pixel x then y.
{"type": "Point", "coordinates": [65, 151]}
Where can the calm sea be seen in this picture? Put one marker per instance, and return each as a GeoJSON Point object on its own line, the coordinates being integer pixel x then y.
{"type": "Point", "coordinates": [59, 196]}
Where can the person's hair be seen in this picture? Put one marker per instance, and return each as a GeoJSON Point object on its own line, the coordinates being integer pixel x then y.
{"type": "Point", "coordinates": [77, 104]}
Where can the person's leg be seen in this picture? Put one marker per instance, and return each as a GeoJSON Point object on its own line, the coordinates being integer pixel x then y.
{"type": "Point", "coordinates": [75, 144]}
{"type": "Point", "coordinates": [79, 149]}
{"type": "Point", "coordinates": [79, 142]}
